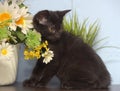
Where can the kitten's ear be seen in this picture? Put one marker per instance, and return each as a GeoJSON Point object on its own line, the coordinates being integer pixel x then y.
{"type": "Point", "coordinates": [62, 13]}
{"type": "Point", "coordinates": [43, 17]}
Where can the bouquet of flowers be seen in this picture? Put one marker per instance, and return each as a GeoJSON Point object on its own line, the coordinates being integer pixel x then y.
{"type": "Point", "coordinates": [16, 27]}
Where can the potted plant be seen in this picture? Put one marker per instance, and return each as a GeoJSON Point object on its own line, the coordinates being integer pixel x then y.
{"type": "Point", "coordinates": [15, 28]}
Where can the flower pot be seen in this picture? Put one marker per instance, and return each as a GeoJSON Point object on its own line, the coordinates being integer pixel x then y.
{"type": "Point", "coordinates": [8, 68]}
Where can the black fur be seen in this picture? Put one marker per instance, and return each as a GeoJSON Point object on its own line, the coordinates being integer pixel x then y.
{"type": "Point", "coordinates": [75, 63]}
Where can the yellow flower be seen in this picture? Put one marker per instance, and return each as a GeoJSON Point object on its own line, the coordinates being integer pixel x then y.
{"type": "Point", "coordinates": [38, 48]}
{"type": "Point", "coordinates": [25, 52]}
{"type": "Point", "coordinates": [44, 45]}
{"type": "Point", "coordinates": [26, 55]}
{"type": "Point", "coordinates": [37, 54]}
{"type": "Point", "coordinates": [31, 53]}
{"type": "Point", "coordinates": [46, 42]}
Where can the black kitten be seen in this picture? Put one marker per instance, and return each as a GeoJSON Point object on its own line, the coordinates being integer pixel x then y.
{"type": "Point", "coordinates": [75, 63]}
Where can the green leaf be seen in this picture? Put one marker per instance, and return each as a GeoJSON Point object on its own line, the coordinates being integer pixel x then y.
{"type": "Point", "coordinates": [20, 35]}
{"type": "Point", "coordinates": [4, 33]}
{"type": "Point", "coordinates": [98, 41]}
{"type": "Point", "coordinates": [33, 39]}
{"type": "Point", "coordinates": [88, 33]}
{"type": "Point", "coordinates": [107, 47]}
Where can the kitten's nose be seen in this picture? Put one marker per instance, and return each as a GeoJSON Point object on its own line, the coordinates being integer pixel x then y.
{"type": "Point", "coordinates": [52, 29]}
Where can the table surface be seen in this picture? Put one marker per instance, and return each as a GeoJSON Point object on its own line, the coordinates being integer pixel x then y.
{"type": "Point", "coordinates": [19, 87]}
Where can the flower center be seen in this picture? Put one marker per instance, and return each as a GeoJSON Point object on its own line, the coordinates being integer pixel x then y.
{"type": "Point", "coordinates": [4, 17]}
{"type": "Point", "coordinates": [20, 21]}
{"type": "Point", "coordinates": [4, 51]}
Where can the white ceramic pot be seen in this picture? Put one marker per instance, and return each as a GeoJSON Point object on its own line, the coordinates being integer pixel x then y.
{"type": "Point", "coordinates": [8, 69]}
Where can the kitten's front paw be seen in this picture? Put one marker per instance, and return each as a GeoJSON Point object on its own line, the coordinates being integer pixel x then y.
{"type": "Point", "coordinates": [40, 85]}
{"type": "Point", "coordinates": [66, 86]}
{"type": "Point", "coordinates": [29, 83]}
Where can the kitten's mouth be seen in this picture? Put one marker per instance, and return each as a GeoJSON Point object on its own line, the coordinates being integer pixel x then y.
{"type": "Point", "coordinates": [53, 38]}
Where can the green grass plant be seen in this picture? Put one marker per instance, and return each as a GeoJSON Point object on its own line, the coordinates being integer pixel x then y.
{"type": "Point", "coordinates": [88, 32]}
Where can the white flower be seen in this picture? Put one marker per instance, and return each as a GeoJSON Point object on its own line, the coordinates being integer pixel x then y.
{"type": "Point", "coordinates": [19, 1]}
{"type": "Point", "coordinates": [6, 51]}
{"type": "Point", "coordinates": [8, 12]}
{"type": "Point", "coordinates": [16, 1]}
{"type": "Point", "coordinates": [19, 16]}
{"type": "Point", "coordinates": [48, 55]}
{"type": "Point", "coordinates": [25, 20]}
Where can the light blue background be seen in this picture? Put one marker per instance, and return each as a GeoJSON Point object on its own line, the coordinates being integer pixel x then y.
{"type": "Point", "coordinates": [108, 14]}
